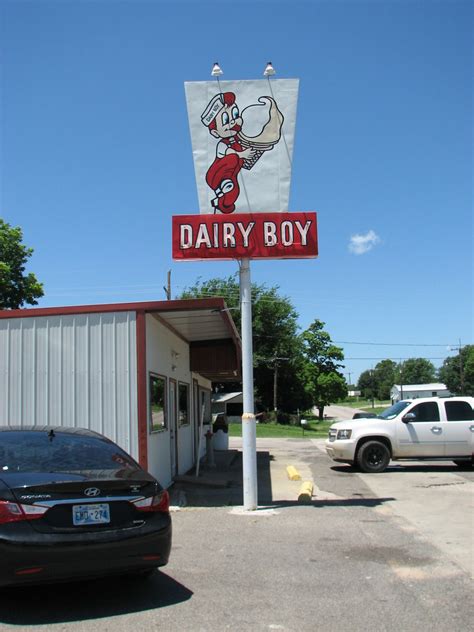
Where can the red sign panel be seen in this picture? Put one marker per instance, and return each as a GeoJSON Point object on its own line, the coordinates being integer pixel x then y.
{"type": "Point", "coordinates": [245, 236]}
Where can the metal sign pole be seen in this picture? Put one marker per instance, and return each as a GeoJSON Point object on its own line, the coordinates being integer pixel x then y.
{"type": "Point", "coordinates": [249, 434]}
{"type": "Point", "coordinates": [233, 125]}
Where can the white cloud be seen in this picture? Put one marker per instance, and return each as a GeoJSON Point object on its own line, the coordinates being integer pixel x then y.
{"type": "Point", "coordinates": [360, 244]}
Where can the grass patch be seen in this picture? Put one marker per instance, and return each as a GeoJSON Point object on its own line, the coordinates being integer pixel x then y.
{"type": "Point", "coordinates": [313, 430]}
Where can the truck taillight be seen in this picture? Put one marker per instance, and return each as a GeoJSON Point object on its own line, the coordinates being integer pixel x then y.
{"type": "Point", "coordinates": [158, 503]}
{"type": "Point", "coordinates": [14, 512]}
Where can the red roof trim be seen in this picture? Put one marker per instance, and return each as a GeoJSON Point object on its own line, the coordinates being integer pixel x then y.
{"type": "Point", "coordinates": [145, 306]}
{"type": "Point", "coordinates": [189, 304]}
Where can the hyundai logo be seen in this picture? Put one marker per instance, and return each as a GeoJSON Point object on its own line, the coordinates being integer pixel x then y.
{"type": "Point", "coordinates": [92, 491]}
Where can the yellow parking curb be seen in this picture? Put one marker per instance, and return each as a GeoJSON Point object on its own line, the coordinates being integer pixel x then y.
{"type": "Point", "coordinates": [306, 492]}
{"type": "Point", "coordinates": [293, 473]}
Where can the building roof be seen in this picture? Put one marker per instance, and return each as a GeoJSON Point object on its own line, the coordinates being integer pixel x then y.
{"type": "Point", "coordinates": [221, 398]}
{"type": "Point", "coordinates": [204, 323]}
{"type": "Point", "coordinates": [192, 319]}
{"type": "Point", "coordinates": [422, 387]}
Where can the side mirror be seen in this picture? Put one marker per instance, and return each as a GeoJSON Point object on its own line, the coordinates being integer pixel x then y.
{"type": "Point", "coordinates": [409, 417]}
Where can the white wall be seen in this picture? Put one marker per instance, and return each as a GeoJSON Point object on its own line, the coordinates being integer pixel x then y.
{"type": "Point", "coordinates": [168, 356]}
{"type": "Point", "coordinates": [81, 371]}
{"type": "Point", "coordinates": [408, 394]}
{"type": "Point", "coordinates": [74, 370]}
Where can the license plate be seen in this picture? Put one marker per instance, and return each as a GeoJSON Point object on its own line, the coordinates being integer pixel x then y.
{"type": "Point", "coordinates": [90, 514]}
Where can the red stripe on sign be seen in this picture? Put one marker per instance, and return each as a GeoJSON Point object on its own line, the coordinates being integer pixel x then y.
{"type": "Point", "coordinates": [242, 236]}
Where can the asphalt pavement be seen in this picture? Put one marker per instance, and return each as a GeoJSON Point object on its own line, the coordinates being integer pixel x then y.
{"type": "Point", "coordinates": [361, 555]}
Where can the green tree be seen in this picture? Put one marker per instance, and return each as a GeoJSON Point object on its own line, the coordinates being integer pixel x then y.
{"type": "Point", "coordinates": [366, 384]}
{"type": "Point", "coordinates": [324, 381]}
{"type": "Point", "coordinates": [16, 287]}
{"type": "Point", "coordinates": [385, 376]}
{"type": "Point", "coordinates": [275, 335]}
{"type": "Point", "coordinates": [417, 371]}
{"type": "Point", "coordinates": [457, 372]}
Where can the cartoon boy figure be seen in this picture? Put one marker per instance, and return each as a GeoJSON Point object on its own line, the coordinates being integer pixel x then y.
{"type": "Point", "coordinates": [223, 119]}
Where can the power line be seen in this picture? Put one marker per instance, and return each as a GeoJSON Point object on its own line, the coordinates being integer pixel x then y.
{"type": "Point", "coordinates": [424, 358]}
{"type": "Point", "coordinates": [230, 294]}
{"type": "Point", "coordinates": [382, 344]}
{"type": "Point", "coordinates": [393, 344]}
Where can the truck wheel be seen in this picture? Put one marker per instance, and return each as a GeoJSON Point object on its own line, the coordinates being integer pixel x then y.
{"type": "Point", "coordinates": [373, 457]}
{"type": "Point", "coordinates": [465, 464]}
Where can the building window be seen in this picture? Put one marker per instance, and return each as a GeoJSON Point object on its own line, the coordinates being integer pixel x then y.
{"type": "Point", "coordinates": [157, 408]}
{"type": "Point", "coordinates": [183, 402]}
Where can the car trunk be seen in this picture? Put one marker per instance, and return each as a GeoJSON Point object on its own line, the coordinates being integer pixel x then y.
{"type": "Point", "coordinates": [84, 501]}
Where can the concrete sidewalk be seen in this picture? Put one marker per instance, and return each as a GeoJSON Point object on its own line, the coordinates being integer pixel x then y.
{"type": "Point", "coordinates": [222, 485]}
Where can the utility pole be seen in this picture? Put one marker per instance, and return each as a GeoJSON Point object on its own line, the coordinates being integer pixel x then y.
{"type": "Point", "coordinates": [401, 379]}
{"type": "Point", "coordinates": [461, 368]}
{"type": "Point", "coordinates": [275, 387]}
{"type": "Point", "coordinates": [461, 371]}
{"type": "Point", "coordinates": [167, 288]}
{"type": "Point", "coordinates": [372, 385]}
{"type": "Point", "coordinates": [275, 383]}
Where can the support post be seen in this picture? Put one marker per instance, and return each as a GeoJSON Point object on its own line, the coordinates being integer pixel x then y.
{"type": "Point", "coordinates": [275, 386]}
{"type": "Point", "coordinates": [211, 464]}
{"type": "Point", "coordinates": [249, 433]}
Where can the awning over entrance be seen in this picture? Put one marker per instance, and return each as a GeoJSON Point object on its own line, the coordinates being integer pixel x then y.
{"type": "Point", "coordinates": [207, 326]}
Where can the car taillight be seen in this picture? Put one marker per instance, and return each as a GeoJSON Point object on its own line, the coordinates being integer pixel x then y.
{"type": "Point", "coordinates": [160, 503]}
{"type": "Point", "coordinates": [14, 512]}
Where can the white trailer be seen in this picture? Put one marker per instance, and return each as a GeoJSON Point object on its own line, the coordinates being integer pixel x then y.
{"type": "Point", "coordinates": [414, 391]}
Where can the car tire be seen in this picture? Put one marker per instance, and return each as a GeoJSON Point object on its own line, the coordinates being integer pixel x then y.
{"type": "Point", "coordinates": [465, 464]}
{"type": "Point", "coordinates": [373, 457]}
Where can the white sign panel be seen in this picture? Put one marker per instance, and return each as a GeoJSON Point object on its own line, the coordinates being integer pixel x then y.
{"type": "Point", "coordinates": [242, 135]}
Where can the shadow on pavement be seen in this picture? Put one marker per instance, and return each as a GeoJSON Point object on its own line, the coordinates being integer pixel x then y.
{"type": "Point", "coordinates": [339, 502]}
{"type": "Point", "coordinates": [93, 599]}
{"type": "Point", "coordinates": [222, 485]}
{"type": "Point", "coordinates": [399, 467]}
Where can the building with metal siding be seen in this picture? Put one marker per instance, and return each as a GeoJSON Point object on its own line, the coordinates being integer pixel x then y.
{"type": "Point", "coordinates": [89, 367]}
{"type": "Point", "coordinates": [414, 391]}
{"type": "Point", "coordinates": [71, 370]}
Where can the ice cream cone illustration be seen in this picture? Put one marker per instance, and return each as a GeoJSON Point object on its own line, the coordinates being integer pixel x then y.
{"type": "Point", "coordinates": [261, 129]}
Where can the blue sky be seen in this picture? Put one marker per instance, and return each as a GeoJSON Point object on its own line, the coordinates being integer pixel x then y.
{"type": "Point", "coordinates": [96, 154]}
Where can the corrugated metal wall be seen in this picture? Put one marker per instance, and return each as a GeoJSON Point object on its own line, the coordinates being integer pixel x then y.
{"type": "Point", "coordinates": [75, 370]}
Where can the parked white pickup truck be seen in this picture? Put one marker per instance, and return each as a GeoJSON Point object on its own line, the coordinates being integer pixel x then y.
{"type": "Point", "coordinates": [431, 428]}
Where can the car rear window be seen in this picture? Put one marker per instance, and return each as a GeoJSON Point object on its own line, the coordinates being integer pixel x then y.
{"type": "Point", "coordinates": [43, 451]}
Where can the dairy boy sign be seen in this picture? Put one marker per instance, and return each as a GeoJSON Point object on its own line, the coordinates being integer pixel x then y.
{"type": "Point", "coordinates": [242, 135]}
{"type": "Point", "coordinates": [254, 236]}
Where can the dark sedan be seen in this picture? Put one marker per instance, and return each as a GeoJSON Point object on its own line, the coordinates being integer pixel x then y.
{"type": "Point", "coordinates": [364, 416]}
{"type": "Point", "coordinates": [75, 505]}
